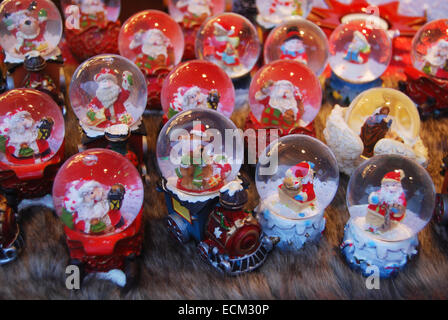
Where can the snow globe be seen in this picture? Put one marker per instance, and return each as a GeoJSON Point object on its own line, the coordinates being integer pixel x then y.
{"type": "Point", "coordinates": [299, 40]}
{"type": "Point", "coordinates": [272, 13]}
{"type": "Point", "coordinates": [378, 121]}
{"type": "Point", "coordinates": [31, 143]}
{"type": "Point", "coordinates": [190, 14]}
{"type": "Point", "coordinates": [297, 177]}
{"type": "Point", "coordinates": [11, 241]}
{"type": "Point", "coordinates": [360, 53]}
{"type": "Point", "coordinates": [390, 198]}
{"type": "Point", "coordinates": [92, 26]}
{"type": "Point", "coordinates": [427, 81]}
{"type": "Point", "coordinates": [197, 84]}
{"type": "Point", "coordinates": [29, 34]}
{"type": "Point", "coordinates": [196, 157]}
{"type": "Point", "coordinates": [284, 98]}
{"type": "Point", "coordinates": [155, 43]}
{"type": "Point", "coordinates": [231, 41]}
{"type": "Point", "coordinates": [98, 195]}
{"type": "Point", "coordinates": [108, 95]}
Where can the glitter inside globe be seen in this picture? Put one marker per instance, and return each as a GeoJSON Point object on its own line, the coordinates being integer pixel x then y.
{"type": "Point", "coordinates": [272, 13]}
{"type": "Point", "coordinates": [297, 176]}
{"type": "Point", "coordinates": [191, 13]}
{"type": "Point", "coordinates": [401, 112]}
{"type": "Point", "coordinates": [229, 40]}
{"type": "Point", "coordinates": [152, 40]}
{"type": "Point", "coordinates": [284, 94]}
{"type": "Point", "coordinates": [91, 12]}
{"type": "Point", "coordinates": [299, 40]}
{"type": "Point", "coordinates": [102, 80]}
{"type": "Point", "coordinates": [29, 26]}
{"type": "Point", "coordinates": [31, 127]}
{"type": "Point", "coordinates": [359, 52]}
{"type": "Point", "coordinates": [430, 49]}
{"type": "Point", "coordinates": [199, 151]}
{"type": "Point", "coordinates": [390, 197]}
{"type": "Point", "coordinates": [197, 84]}
{"type": "Point", "coordinates": [98, 192]}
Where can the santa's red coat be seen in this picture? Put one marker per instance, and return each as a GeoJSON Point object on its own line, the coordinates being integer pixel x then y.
{"type": "Point", "coordinates": [118, 106]}
{"type": "Point", "coordinates": [42, 145]}
{"type": "Point", "coordinates": [380, 208]}
{"type": "Point", "coordinates": [114, 216]}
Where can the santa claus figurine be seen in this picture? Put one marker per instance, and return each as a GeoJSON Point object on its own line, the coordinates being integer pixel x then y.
{"type": "Point", "coordinates": [274, 12]}
{"type": "Point", "coordinates": [437, 60]}
{"type": "Point", "coordinates": [358, 49]}
{"type": "Point", "coordinates": [200, 170]}
{"type": "Point", "coordinates": [155, 51]}
{"type": "Point", "coordinates": [108, 106]}
{"type": "Point", "coordinates": [297, 189]}
{"type": "Point", "coordinates": [293, 47]}
{"type": "Point", "coordinates": [387, 206]}
{"type": "Point", "coordinates": [194, 12]}
{"type": "Point", "coordinates": [28, 27]}
{"type": "Point", "coordinates": [194, 97]}
{"type": "Point", "coordinates": [22, 139]}
{"type": "Point", "coordinates": [283, 107]}
{"type": "Point", "coordinates": [90, 208]}
{"type": "Point", "coordinates": [92, 13]}
{"type": "Point", "coordinates": [227, 42]}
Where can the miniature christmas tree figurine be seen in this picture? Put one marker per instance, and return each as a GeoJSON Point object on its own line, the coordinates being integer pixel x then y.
{"type": "Point", "coordinates": [437, 60]}
{"type": "Point", "coordinates": [108, 106]}
{"type": "Point", "coordinates": [200, 170]}
{"type": "Point", "coordinates": [293, 48]}
{"type": "Point", "coordinates": [90, 208]}
{"type": "Point", "coordinates": [387, 206]}
{"type": "Point", "coordinates": [283, 107]}
{"type": "Point", "coordinates": [234, 241]}
{"type": "Point", "coordinates": [22, 139]}
{"type": "Point", "coordinates": [154, 50]}
{"type": "Point", "coordinates": [358, 49]}
{"type": "Point", "coordinates": [297, 190]}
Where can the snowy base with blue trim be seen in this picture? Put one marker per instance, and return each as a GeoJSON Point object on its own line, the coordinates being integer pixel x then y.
{"type": "Point", "coordinates": [292, 233]}
{"type": "Point", "coordinates": [363, 250]}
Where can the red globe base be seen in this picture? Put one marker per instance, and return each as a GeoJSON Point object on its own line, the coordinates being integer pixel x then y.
{"type": "Point", "coordinates": [94, 40]}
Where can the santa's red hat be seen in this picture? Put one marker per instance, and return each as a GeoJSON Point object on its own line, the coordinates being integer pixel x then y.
{"type": "Point", "coordinates": [300, 170]}
{"type": "Point", "coordinates": [105, 73]}
{"type": "Point", "coordinates": [393, 176]}
{"type": "Point", "coordinates": [198, 130]}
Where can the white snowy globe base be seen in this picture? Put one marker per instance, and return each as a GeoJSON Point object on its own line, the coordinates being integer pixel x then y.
{"type": "Point", "coordinates": [292, 233]}
{"type": "Point", "coordinates": [362, 251]}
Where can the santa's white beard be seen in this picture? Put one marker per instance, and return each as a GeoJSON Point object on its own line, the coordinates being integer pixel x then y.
{"type": "Point", "coordinates": [19, 137]}
{"type": "Point", "coordinates": [199, 101]}
{"type": "Point", "coordinates": [154, 51]}
{"type": "Point", "coordinates": [390, 197]}
{"type": "Point", "coordinates": [108, 95]}
{"type": "Point", "coordinates": [284, 104]}
{"type": "Point", "coordinates": [436, 58]}
{"type": "Point", "coordinates": [87, 212]}
{"type": "Point", "coordinates": [294, 45]}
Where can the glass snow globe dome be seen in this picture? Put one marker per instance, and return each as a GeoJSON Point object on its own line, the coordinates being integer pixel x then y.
{"type": "Point", "coordinates": [429, 51]}
{"type": "Point", "coordinates": [31, 128]}
{"type": "Point", "coordinates": [402, 112]}
{"type": "Point", "coordinates": [199, 151]}
{"type": "Point", "coordinates": [280, 85]}
{"type": "Point", "coordinates": [98, 192]}
{"type": "Point", "coordinates": [229, 40]}
{"type": "Point", "coordinates": [299, 40]}
{"type": "Point", "coordinates": [29, 25]}
{"type": "Point", "coordinates": [360, 51]}
{"type": "Point", "coordinates": [390, 197]}
{"type": "Point", "coordinates": [104, 80]}
{"type": "Point", "coordinates": [152, 40]}
{"type": "Point", "coordinates": [197, 84]}
{"type": "Point", "coordinates": [297, 177]}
